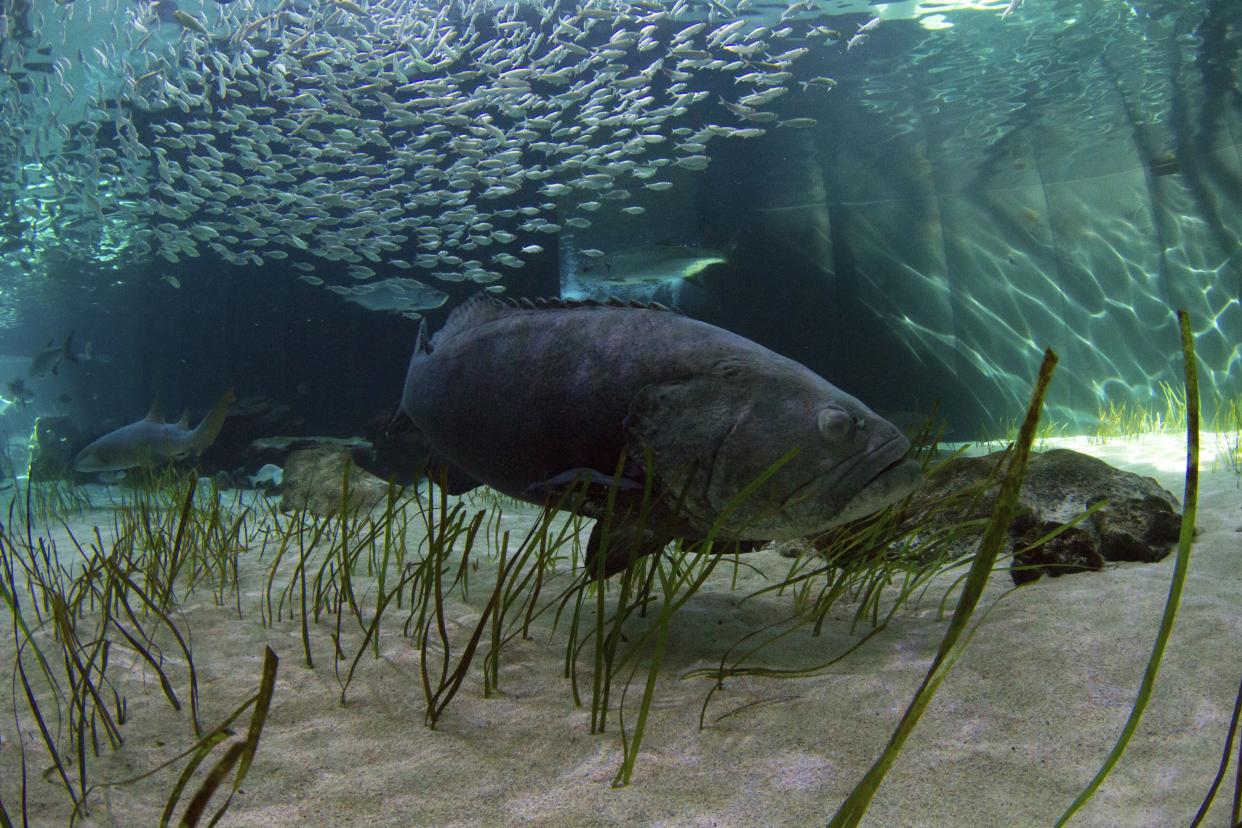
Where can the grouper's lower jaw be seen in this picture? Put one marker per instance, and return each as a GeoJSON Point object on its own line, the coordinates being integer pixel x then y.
{"type": "Point", "coordinates": [894, 482]}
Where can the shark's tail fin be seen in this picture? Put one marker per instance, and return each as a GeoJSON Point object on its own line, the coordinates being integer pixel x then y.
{"type": "Point", "coordinates": [68, 350]}
{"type": "Point", "coordinates": [209, 429]}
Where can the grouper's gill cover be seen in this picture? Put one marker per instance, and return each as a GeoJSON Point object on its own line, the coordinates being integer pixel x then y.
{"type": "Point", "coordinates": [528, 397]}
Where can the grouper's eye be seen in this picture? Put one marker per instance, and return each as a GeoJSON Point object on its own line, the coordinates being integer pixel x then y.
{"type": "Point", "coordinates": [836, 424]}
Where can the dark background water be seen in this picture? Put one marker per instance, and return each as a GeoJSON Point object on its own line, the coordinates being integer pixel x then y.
{"type": "Point", "coordinates": [339, 365]}
{"type": "Point", "coordinates": [967, 198]}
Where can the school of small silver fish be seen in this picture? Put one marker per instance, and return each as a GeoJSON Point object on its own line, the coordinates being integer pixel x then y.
{"type": "Point", "coordinates": [359, 139]}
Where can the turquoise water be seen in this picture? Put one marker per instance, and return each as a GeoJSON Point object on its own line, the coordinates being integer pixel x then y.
{"type": "Point", "coordinates": [934, 192]}
{"type": "Point", "coordinates": [913, 199]}
{"type": "Point", "coordinates": [929, 190]}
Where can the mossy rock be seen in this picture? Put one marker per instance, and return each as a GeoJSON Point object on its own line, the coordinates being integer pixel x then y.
{"type": "Point", "coordinates": [1140, 522]}
{"type": "Point", "coordinates": [52, 443]}
{"type": "Point", "coordinates": [313, 478]}
{"type": "Point", "coordinates": [278, 449]}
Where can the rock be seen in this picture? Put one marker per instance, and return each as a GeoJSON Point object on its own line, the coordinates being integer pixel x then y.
{"type": "Point", "coordinates": [1140, 523]}
{"type": "Point", "coordinates": [277, 450]}
{"type": "Point", "coordinates": [53, 442]}
{"type": "Point", "coordinates": [312, 481]}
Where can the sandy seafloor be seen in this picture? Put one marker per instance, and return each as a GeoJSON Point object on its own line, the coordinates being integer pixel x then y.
{"type": "Point", "coordinates": [1019, 727]}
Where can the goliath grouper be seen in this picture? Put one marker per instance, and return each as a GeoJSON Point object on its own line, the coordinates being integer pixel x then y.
{"type": "Point", "coordinates": [531, 397]}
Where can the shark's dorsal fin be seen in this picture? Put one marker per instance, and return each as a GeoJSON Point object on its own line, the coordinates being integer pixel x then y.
{"type": "Point", "coordinates": [156, 413]}
{"type": "Point", "coordinates": [184, 422]}
{"type": "Point", "coordinates": [484, 307]}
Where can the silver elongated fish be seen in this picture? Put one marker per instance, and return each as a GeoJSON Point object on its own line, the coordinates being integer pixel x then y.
{"type": "Point", "coordinates": [150, 442]}
{"type": "Point", "coordinates": [530, 398]}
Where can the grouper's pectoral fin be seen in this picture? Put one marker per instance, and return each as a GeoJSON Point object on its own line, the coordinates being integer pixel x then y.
{"type": "Point", "coordinates": [557, 485]}
{"type": "Point", "coordinates": [451, 479]}
{"type": "Point", "coordinates": [627, 542]}
{"type": "Point", "coordinates": [400, 425]}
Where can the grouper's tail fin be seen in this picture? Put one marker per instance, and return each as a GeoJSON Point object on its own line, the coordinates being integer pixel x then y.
{"type": "Point", "coordinates": [209, 429]}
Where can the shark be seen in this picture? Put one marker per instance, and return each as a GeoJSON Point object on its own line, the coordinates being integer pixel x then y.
{"type": "Point", "coordinates": [650, 264]}
{"type": "Point", "coordinates": [666, 424]}
{"type": "Point", "coordinates": [49, 359]}
{"type": "Point", "coordinates": [151, 441]}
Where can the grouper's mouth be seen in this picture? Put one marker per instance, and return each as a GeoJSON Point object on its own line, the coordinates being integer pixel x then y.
{"type": "Point", "coordinates": [895, 451]}
{"type": "Point", "coordinates": [890, 484]}
{"type": "Point", "coordinates": [892, 481]}
{"type": "Point", "coordinates": [899, 463]}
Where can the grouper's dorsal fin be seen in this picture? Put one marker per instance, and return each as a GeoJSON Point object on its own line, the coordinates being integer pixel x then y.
{"type": "Point", "coordinates": [562, 304]}
{"type": "Point", "coordinates": [476, 310]}
{"type": "Point", "coordinates": [484, 307]}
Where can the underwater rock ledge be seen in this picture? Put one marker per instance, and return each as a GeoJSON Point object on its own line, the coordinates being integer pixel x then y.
{"type": "Point", "coordinates": [1140, 523]}
{"type": "Point", "coordinates": [313, 477]}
